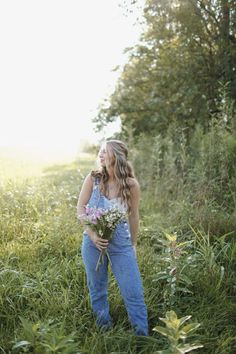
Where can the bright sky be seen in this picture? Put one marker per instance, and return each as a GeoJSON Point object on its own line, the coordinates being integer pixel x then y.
{"type": "Point", "coordinates": [56, 67]}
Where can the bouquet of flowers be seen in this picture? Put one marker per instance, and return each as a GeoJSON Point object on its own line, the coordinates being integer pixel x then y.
{"type": "Point", "coordinates": [103, 222]}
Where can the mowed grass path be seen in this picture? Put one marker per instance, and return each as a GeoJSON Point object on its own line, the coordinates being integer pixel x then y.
{"type": "Point", "coordinates": [44, 302]}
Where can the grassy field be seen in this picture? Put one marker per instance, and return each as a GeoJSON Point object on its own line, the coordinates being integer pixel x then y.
{"type": "Point", "coordinates": [44, 303]}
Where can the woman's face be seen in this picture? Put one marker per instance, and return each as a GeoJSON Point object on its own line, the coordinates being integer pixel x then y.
{"type": "Point", "coordinates": [105, 156]}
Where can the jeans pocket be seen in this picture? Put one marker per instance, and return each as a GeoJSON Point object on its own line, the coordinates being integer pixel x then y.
{"type": "Point", "coordinates": [123, 236]}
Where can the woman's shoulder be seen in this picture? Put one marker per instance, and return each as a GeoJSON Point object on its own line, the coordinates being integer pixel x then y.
{"type": "Point", "coordinates": [91, 179]}
{"type": "Point", "coordinates": [88, 179]}
{"type": "Point", "coordinates": [92, 176]}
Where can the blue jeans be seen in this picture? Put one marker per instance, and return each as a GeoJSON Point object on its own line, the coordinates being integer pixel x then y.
{"type": "Point", "coordinates": [125, 269]}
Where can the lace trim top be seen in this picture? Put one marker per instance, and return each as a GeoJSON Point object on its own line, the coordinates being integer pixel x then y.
{"type": "Point", "coordinates": [117, 202]}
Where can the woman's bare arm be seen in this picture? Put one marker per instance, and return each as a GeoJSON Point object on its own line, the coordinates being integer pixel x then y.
{"type": "Point", "coordinates": [134, 212]}
{"type": "Point", "coordinates": [84, 197]}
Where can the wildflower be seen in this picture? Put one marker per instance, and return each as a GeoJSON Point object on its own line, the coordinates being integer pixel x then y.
{"type": "Point", "coordinates": [103, 222]}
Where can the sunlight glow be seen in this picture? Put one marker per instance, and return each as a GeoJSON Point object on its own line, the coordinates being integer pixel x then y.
{"type": "Point", "coordinates": [56, 68]}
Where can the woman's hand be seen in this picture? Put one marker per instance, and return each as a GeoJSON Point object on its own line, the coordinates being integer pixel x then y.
{"type": "Point", "coordinates": [99, 242]}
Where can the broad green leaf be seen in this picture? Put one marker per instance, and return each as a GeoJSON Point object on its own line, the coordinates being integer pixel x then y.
{"type": "Point", "coordinates": [171, 238]}
{"type": "Point", "coordinates": [171, 320]}
{"type": "Point", "coordinates": [184, 319]}
{"type": "Point", "coordinates": [181, 244]}
{"type": "Point", "coordinates": [21, 344]}
{"type": "Point", "coordinates": [164, 331]}
{"type": "Point", "coordinates": [190, 327]}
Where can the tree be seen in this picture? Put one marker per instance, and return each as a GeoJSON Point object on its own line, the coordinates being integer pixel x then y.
{"type": "Point", "coordinates": [174, 75]}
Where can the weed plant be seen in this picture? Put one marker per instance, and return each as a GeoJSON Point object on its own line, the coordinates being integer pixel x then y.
{"type": "Point", "coordinates": [44, 301]}
{"type": "Point", "coordinates": [189, 189]}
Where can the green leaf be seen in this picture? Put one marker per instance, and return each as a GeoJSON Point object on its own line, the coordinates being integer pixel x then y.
{"type": "Point", "coordinates": [184, 319]}
{"type": "Point", "coordinates": [185, 279]}
{"type": "Point", "coordinates": [164, 331]}
{"type": "Point", "coordinates": [21, 344]}
{"type": "Point", "coordinates": [166, 351]}
{"type": "Point", "coordinates": [184, 290]}
{"type": "Point", "coordinates": [186, 348]}
{"type": "Point", "coordinates": [181, 244]}
{"type": "Point", "coordinates": [171, 320]}
{"type": "Point", "coordinates": [160, 277]}
{"type": "Point", "coordinates": [171, 238]}
{"type": "Point", "coordinates": [30, 329]}
{"type": "Point", "coordinates": [190, 327]}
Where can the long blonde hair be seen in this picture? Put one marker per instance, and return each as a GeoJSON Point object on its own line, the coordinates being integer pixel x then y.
{"type": "Point", "coordinates": [122, 170]}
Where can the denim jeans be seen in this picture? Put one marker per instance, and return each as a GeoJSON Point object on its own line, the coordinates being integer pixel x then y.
{"type": "Point", "coordinates": [125, 269]}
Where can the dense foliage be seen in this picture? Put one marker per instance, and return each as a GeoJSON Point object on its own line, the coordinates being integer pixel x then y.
{"type": "Point", "coordinates": [174, 76]}
{"type": "Point", "coordinates": [44, 301]}
{"type": "Point", "coordinates": [176, 101]}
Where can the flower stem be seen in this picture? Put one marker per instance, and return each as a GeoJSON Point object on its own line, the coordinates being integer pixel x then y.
{"type": "Point", "coordinates": [101, 258]}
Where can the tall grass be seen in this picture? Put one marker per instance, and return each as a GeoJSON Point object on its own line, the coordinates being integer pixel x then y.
{"type": "Point", "coordinates": [189, 190]}
{"type": "Point", "coordinates": [44, 302]}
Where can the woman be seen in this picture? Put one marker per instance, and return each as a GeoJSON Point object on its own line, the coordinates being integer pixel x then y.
{"type": "Point", "coordinates": [114, 185]}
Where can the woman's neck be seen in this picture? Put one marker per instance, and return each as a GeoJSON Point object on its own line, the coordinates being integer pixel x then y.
{"type": "Point", "coordinates": [111, 177]}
